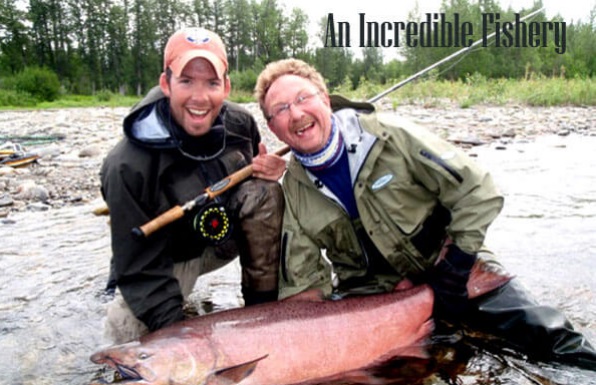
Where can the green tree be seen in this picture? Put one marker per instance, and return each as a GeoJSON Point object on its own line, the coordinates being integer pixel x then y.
{"type": "Point", "coordinates": [14, 44]}
{"type": "Point", "coordinates": [117, 49]}
{"type": "Point", "coordinates": [95, 26]}
{"type": "Point", "coordinates": [202, 14]}
{"type": "Point", "coordinates": [238, 37]}
{"type": "Point", "coordinates": [394, 69]}
{"type": "Point", "coordinates": [494, 60]}
{"type": "Point", "coordinates": [295, 33]}
{"type": "Point", "coordinates": [372, 64]}
{"type": "Point", "coordinates": [268, 22]}
{"type": "Point", "coordinates": [41, 19]}
{"type": "Point", "coordinates": [41, 83]}
{"type": "Point", "coordinates": [219, 18]}
{"type": "Point", "coordinates": [166, 17]}
{"type": "Point", "coordinates": [118, 44]}
{"type": "Point", "coordinates": [580, 60]}
{"type": "Point", "coordinates": [146, 57]}
{"type": "Point", "coordinates": [334, 63]}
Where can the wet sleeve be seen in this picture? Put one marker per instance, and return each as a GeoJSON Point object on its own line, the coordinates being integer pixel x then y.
{"type": "Point", "coordinates": [461, 186]}
{"type": "Point", "coordinates": [143, 268]}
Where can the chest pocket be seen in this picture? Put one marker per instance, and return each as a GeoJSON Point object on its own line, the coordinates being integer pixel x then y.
{"type": "Point", "coordinates": [395, 199]}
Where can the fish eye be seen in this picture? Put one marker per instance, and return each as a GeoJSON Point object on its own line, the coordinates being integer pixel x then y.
{"type": "Point", "coordinates": [143, 356]}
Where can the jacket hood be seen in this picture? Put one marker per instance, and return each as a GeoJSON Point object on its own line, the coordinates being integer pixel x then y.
{"type": "Point", "coordinates": [144, 126]}
{"type": "Point", "coordinates": [339, 102]}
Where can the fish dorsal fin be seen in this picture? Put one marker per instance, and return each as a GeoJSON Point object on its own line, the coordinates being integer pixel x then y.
{"type": "Point", "coordinates": [233, 374]}
{"type": "Point", "coordinates": [485, 277]}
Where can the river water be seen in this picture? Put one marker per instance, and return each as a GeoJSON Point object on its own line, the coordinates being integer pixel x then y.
{"type": "Point", "coordinates": [55, 264]}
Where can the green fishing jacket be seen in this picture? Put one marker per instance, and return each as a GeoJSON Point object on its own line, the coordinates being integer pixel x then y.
{"type": "Point", "coordinates": [412, 190]}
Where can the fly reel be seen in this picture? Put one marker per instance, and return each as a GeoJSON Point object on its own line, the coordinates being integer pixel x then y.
{"type": "Point", "coordinates": [213, 224]}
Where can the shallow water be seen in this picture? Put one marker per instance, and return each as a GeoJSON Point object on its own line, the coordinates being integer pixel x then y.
{"type": "Point", "coordinates": [55, 266]}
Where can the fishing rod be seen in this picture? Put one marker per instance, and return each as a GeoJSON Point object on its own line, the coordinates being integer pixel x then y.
{"type": "Point", "coordinates": [232, 180]}
{"type": "Point", "coordinates": [444, 60]}
{"type": "Point", "coordinates": [209, 194]}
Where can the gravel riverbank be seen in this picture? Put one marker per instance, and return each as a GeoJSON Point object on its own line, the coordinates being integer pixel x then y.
{"type": "Point", "coordinates": [73, 142]}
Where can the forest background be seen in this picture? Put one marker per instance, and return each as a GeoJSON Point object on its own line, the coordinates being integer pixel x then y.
{"type": "Point", "coordinates": [81, 52]}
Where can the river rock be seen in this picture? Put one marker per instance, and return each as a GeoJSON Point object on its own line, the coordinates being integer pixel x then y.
{"type": "Point", "coordinates": [28, 190]}
{"type": "Point", "coordinates": [68, 171]}
{"type": "Point", "coordinates": [38, 206]}
{"type": "Point", "coordinates": [6, 170]}
{"type": "Point", "coordinates": [6, 200]}
{"type": "Point", "coordinates": [90, 151]}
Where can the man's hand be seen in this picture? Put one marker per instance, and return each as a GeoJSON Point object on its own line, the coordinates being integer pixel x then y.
{"type": "Point", "coordinates": [449, 279]}
{"type": "Point", "coordinates": [268, 166]}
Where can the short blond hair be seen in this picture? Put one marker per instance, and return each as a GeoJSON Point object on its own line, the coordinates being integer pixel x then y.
{"type": "Point", "coordinates": [277, 69]}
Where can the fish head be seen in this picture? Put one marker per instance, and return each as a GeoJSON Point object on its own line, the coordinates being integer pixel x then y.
{"type": "Point", "coordinates": [170, 360]}
{"type": "Point", "coordinates": [135, 362]}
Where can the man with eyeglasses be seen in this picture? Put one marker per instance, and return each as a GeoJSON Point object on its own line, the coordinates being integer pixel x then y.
{"type": "Point", "coordinates": [391, 204]}
{"type": "Point", "coordinates": [181, 138]}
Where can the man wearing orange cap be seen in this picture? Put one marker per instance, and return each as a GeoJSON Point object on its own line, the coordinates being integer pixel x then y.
{"type": "Point", "coordinates": [181, 138]}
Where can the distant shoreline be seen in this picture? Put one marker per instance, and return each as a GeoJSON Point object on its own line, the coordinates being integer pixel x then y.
{"type": "Point", "coordinates": [68, 172]}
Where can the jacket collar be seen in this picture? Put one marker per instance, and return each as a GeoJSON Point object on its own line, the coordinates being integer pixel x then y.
{"type": "Point", "coordinates": [358, 142]}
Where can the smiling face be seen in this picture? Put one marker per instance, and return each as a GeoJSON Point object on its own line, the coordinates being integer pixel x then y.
{"type": "Point", "coordinates": [305, 126]}
{"type": "Point", "coordinates": [196, 96]}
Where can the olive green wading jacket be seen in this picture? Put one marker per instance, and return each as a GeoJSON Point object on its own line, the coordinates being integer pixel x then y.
{"type": "Point", "coordinates": [413, 191]}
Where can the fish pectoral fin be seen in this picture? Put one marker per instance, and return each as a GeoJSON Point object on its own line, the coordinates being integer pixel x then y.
{"type": "Point", "coordinates": [234, 374]}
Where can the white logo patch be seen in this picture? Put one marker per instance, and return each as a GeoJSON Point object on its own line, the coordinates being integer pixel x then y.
{"type": "Point", "coordinates": [382, 182]}
{"type": "Point", "coordinates": [197, 36]}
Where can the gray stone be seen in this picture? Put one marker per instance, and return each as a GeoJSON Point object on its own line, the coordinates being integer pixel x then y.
{"type": "Point", "coordinates": [6, 200]}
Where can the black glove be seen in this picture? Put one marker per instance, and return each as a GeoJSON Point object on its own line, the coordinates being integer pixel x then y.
{"type": "Point", "coordinates": [449, 279]}
{"type": "Point", "coordinates": [253, 297]}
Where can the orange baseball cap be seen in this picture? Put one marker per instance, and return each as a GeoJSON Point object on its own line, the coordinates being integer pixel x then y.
{"type": "Point", "coordinates": [190, 43]}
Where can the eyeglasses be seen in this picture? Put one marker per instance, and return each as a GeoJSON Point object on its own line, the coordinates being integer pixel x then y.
{"type": "Point", "coordinates": [280, 110]}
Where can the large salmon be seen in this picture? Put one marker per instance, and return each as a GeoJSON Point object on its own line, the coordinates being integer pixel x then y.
{"type": "Point", "coordinates": [286, 342]}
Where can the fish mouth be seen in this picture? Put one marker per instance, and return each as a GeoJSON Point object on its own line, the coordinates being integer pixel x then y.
{"type": "Point", "coordinates": [128, 375]}
{"type": "Point", "coordinates": [124, 375]}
